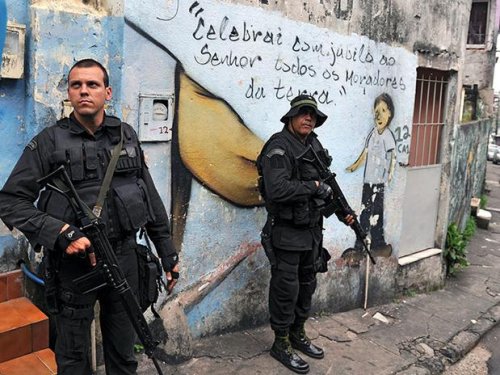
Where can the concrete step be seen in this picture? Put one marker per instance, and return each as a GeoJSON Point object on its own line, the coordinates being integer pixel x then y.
{"type": "Point", "coordinates": [24, 331]}
{"type": "Point", "coordinates": [42, 362]}
{"type": "Point", "coordinates": [483, 219]}
{"type": "Point", "coordinates": [11, 285]}
{"type": "Point", "coordinates": [23, 328]}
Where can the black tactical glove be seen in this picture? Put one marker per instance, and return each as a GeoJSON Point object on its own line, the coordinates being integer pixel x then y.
{"type": "Point", "coordinates": [67, 236]}
{"type": "Point", "coordinates": [169, 263]}
{"type": "Point", "coordinates": [324, 191]}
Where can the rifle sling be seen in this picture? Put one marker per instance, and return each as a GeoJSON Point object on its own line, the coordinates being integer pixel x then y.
{"type": "Point", "coordinates": [108, 176]}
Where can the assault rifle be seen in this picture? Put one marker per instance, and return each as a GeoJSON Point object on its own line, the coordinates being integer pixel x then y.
{"type": "Point", "coordinates": [107, 271]}
{"type": "Point", "coordinates": [338, 201]}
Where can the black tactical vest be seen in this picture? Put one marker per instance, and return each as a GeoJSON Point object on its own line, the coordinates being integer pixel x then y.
{"type": "Point", "coordinates": [86, 158]}
{"type": "Point", "coordinates": [304, 213]}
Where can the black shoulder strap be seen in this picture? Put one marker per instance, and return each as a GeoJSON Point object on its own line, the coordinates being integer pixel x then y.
{"type": "Point", "coordinates": [108, 176]}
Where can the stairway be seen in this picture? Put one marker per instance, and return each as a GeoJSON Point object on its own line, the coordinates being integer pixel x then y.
{"type": "Point", "coordinates": [24, 331]}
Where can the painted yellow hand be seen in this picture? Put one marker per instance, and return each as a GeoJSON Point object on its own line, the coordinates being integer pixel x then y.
{"type": "Point", "coordinates": [216, 146]}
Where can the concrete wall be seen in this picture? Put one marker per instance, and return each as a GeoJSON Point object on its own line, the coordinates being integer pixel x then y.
{"type": "Point", "coordinates": [231, 68]}
{"type": "Point", "coordinates": [468, 160]}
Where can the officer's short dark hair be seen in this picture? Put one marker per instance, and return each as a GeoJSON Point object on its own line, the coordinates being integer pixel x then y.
{"type": "Point", "coordinates": [89, 63]}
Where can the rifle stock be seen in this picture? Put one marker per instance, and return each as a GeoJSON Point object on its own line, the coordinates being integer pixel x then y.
{"type": "Point", "coordinates": [107, 271]}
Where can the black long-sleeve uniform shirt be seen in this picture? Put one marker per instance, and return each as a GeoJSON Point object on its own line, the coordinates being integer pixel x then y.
{"type": "Point", "coordinates": [289, 189]}
{"type": "Point", "coordinates": [132, 201]}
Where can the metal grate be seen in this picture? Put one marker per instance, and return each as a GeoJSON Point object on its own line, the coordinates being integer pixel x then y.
{"type": "Point", "coordinates": [428, 115]}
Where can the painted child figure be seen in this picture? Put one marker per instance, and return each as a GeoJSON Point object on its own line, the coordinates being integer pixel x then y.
{"type": "Point", "coordinates": [380, 156]}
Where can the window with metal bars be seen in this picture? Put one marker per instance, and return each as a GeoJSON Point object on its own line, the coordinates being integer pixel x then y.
{"type": "Point", "coordinates": [428, 117]}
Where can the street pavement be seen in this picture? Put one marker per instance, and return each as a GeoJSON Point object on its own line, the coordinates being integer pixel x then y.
{"type": "Point", "coordinates": [423, 334]}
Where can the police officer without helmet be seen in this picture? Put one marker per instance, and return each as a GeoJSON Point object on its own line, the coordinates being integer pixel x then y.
{"type": "Point", "coordinates": [292, 236]}
{"type": "Point", "coordinates": [83, 144]}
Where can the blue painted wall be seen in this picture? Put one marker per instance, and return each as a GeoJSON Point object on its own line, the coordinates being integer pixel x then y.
{"type": "Point", "coordinates": [13, 129]}
{"type": "Point", "coordinates": [54, 41]}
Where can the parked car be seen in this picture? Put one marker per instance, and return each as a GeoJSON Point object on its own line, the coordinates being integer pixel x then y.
{"type": "Point", "coordinates": [496, 156]}
{"type": "Point", "coordinates": [491, 151]}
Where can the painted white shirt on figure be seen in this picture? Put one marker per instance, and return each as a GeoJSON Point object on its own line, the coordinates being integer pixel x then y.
{"type": "Point", "coordinates": [378, 160]}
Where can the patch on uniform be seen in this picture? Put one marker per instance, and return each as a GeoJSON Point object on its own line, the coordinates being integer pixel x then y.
{"type": "Point", "coordinates": [275, 151]}
{"type": "Point", "coordinates": [33, 144]}
{"type": "Point", "coordinates": [276, 157]}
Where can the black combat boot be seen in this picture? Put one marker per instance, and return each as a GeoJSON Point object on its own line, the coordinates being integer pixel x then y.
{"type": "Point", "coordinates": [300, 341]}
{"type": "Point", "coordinates": [282, 351]}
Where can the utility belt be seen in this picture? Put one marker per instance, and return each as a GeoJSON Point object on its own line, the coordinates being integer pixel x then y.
{"type": "Point", "coordinates": [292, 224]}
{"type": "Point", "coordinates": [320, 254]}
{"type": "Point", "coordinates": [298, 215]}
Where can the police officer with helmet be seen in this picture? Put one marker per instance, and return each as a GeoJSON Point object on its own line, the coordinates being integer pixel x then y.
{"type": "Point", "coordinates": [83, 143]}
{"type": "Point", "coordinates": [292, 237]}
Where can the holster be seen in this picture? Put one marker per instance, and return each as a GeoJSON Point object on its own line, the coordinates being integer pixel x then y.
{"type": "Point", "coordinates": [149, 276]}
{"type": "Point", "coordinates": [321, 261]}
{"type": "Point", "coordinates": [51, 288]}
{"type": "Point", "coordinates": [51, 295]}
{"type": "Point", "coordinates": [266, 241]}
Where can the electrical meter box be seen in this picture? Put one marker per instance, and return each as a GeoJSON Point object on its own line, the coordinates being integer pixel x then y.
{"type": "Point", "coordinates": [67, 108]}
{"type": "Point", "coordinates": [13, 52]}
{"type": "Point", "coordinates": [156, 115]}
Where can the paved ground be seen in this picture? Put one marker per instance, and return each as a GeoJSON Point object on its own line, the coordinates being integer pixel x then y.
{"type": "Point", "coordinates": [423, 333]}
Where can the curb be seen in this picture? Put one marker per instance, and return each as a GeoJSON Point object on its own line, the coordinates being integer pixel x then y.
{"type": "Point", "coordinates": [465, 340]}
{"type": "Point", "coordinates": [457, 346]}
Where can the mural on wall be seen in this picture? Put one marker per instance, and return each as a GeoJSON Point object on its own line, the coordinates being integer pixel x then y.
{"type": "Point", "coordinates": [267, 66]}
{"type": "Point", "coordinates": [215, 147]}
{"type": "Point", "coordinates": [379, 157]}
{"type": "Point", "coordinates": [233, 70]}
